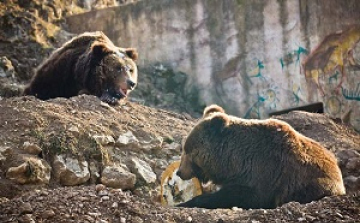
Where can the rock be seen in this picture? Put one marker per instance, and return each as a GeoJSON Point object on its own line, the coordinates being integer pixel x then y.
{"type": "Point", "coordinates": [189, 219]}
{"type": "Point", "coordinates": [353, 164]}
{"type": "Point", "coordinates": [47, 214]}
{"type": "Point", "coordinates": [74, 129]}
{"type": "Point", "coordinates": [310, 218]}
{"type": "Point", "coordinates": [301, 219]}
{"type": "Point", "coordinates": [106, 105]}
{"type": "Point", "coordinates": [115, 205]}
{"type": "Point", "coordinates": [3, 199]}
{"type": "Point", "coordinates": [69, 171]}
{"type": "Point", "coordinates": [89, 218]}
{"type": "Point", "coordinates": [25, 208]}
{"type": "Point", "coordinates": [105, 198]}
{"type": "Point", "coordinates": [94, 173]}
{"type": "Point", "coordinates": [345, 155]}
{"type": "Point", "coordinates": [5, 151]}
{"type": "Point", "coordinates": [152, 144]}
{"type": "Point", "coordinates": [236, 209]}
{"type": "Point", "coordinates": [26, 218]}
{"type": "Point", "coordinates": [118, 177]}
{"type": "Point", "coordinates": [6, 68]}
{"type": "Point", "coordinates": [94, 214]}
{"type": "Point", "coordinates": [32, 149]}
{"type": "Point", "coordinates": [33, 170]}
{"type": "Point", "coordinates": [127, 139]}
{"type": "Point", "coordinates": [82, 198]}
{"type": "Point", "coordinates": [173, 146]}
{"type": "Point", "coordinates": [352, 184]}
{"type": "Point", "coordinates": [103, 193]}
{"type": "Point", "coordinates": [100, 187]}
{"type": "Point", "coordinates": [142, 170]}
{"type": "Point", "coordinates": [104, 140]}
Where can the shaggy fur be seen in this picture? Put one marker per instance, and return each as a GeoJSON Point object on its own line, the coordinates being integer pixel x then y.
{"type": "Point", "coordinates": [257, 163]}
{"type": "Point", "coordinates": [88, 64]}
{"type": "Point", "coordinates": [211, 109]}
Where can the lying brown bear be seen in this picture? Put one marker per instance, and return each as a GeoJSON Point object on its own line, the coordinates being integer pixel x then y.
{"type": "Point", "coordinates": [257, 163]}
{"type": "Point", "coordinates": [87, 64]}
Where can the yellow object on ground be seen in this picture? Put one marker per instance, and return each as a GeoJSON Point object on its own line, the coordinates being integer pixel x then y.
{"type": "Point", "coordinates": [174, 190]}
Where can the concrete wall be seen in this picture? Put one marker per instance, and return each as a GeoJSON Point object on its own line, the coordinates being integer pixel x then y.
{"type": "Point", "coordinates": [252, 57]}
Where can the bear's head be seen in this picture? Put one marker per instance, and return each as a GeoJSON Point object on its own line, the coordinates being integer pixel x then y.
{"type": "Point", "coordinates": [113, 73]}
{"type": "Point", "coordinates": [199, 153]}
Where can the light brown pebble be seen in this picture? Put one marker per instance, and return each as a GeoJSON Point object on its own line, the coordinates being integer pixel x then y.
{"type": "Point", "coordinates": [100, 187]}
{"type": "Point", "coordinates": [48, 214]}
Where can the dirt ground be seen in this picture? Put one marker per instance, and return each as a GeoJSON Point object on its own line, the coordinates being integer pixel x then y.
{"type": "Point", "coordinates": [84, 204]}
{"type": "Point", "coordinates": [22, 116]}
{"type": "Point", "coordinates": [29, 31]}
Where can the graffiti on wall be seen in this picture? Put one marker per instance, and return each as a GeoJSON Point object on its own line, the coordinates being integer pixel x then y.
{"type": "Point", "coordinates": [333, 105]}
{"type": "Point", "coordinates": [256, 72]}
{"type": "Point", "coordinates": [330, 58]}
{"type": "Point", "coordinates": [268, 90]}
{"type": "Point", "coordinates": [352, 95]}
{"type": "Point", "coordinates": [254, 111]}
{"type": "Point", "coordinates": [293, 57]}
{"type": "Point", "coordinates": [290, 65]}
{"type": "Point", "coordinates": [329, 73]}
{"type": "Point", "coordinates": [332, 69]}
{"type": "Point", "coordinates": [265, 101]}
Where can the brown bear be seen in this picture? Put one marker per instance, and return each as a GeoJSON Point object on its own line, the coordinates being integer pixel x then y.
{"type": "Point", "coordinates": [87, 64]}
{"type": "Point", "coordinates": [257, 163]}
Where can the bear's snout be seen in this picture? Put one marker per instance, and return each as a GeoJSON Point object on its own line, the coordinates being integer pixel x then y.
{"type": "Point", "coordinates": [184, 174]}
{"type": "Point", "coordinates": [178, 173]}
{"type": "Point", "coordinates": [131, 84]}
{"type": "Point", "coordinates": [181, 175]}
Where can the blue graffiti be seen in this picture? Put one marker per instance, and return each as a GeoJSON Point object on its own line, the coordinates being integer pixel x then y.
{"type": "Point", "coordinates": [256, 72]}
{"type": "Point", "coordinates": [293, 56]}
{"type": "Point", "coordinates": [254, 110]}
{"type": "Point", "coordinates": [334, 77]}
{"type": "Point", "coordinates": [300, 51]}
{"type": "Point", "coordinates": [351, 94]}
{"type": "Point", "coordinates": [296, 98]}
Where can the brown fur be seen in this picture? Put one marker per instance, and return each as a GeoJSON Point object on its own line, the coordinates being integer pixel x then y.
{"type": "Point", "coordinates": [89, 63]}
{"type": "Point", "coordinates": [211, 109]}
{"type": "Point", "coordinates": [258, 163]}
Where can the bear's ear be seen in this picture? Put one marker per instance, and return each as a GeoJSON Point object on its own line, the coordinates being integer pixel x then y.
{"type": "Point", "coordinates": [132, 53]}
{"type": "Point", "coordinates": [217, 123]}
{"type": "Point", "coordinates": [100, 49]}
{"type": "Point", "coordinates": [211, 109]}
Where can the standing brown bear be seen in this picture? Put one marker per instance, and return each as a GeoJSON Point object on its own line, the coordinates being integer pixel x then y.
{"type": "Point", "coordinates": [257, 163]}
{"type": "Point", "coordinates": [87, 64]}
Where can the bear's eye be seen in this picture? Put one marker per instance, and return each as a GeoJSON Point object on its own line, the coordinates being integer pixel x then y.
{"type": "Point", "coordinates": [131, 71]}
{"type": "Point", "coordinates": [119, 69]}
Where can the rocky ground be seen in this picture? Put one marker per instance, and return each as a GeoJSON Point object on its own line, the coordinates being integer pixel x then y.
{"type": "Point", "coordinates": [61, 159]}
{"type": "Point", "coordinates": [86, 204]}
{"type": "Point", "coordinates": [85, 130]}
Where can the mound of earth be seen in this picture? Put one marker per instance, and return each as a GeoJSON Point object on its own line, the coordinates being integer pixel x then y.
{"type": "Point", "coordinates": [142, 141]}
